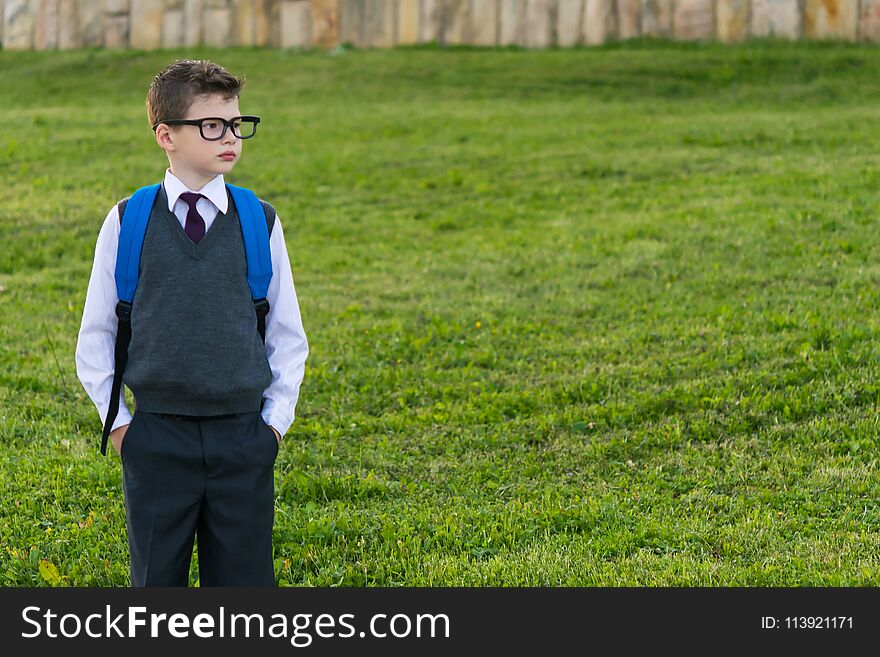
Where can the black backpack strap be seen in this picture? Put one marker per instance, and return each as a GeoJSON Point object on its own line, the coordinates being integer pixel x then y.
{"type": "Point", "coordinates": [123, 338]}
{"type": "Point", "coordinates": [261, 306]}
{"type": "Point", "coordinates": [120, 208]}
{"type": "Point", "coordinates": [270, 215]}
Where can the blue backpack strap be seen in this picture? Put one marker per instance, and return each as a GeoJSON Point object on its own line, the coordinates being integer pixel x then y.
{"type": "Point", "coordinates": [131, 240]}
{"type": "Point", "coordinates": [254, 229]}
{"type": "Point", "coordinates": [128, 258]}
{"type": "Point", "coordinates": [252, 217]}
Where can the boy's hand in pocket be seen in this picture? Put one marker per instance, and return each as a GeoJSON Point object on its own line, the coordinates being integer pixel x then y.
{"type": "Point", "coordinates": [116, 437]}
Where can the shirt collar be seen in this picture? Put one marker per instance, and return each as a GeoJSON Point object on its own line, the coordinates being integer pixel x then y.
{"type": "Point", "coordinates": [215, 190]}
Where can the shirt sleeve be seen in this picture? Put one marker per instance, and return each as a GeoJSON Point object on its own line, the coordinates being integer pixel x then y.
{"type": "Point", "coordinates": [286, 344]}
{"type": "Point", "coordinates": [96, 343]}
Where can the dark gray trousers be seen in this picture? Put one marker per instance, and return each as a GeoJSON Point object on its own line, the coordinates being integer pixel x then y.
{"type": "Point", "coordinates": [213, 477]}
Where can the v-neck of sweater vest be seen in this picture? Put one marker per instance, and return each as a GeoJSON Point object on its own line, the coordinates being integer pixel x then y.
{"type": "Point", "coordinates": [195, 250]}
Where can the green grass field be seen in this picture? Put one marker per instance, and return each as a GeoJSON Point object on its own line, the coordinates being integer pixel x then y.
{"type": "Point", "coordinates": [603, 316]}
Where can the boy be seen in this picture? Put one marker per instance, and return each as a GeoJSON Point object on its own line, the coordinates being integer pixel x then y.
{"type": "Point", "coordinates": [212, 400]}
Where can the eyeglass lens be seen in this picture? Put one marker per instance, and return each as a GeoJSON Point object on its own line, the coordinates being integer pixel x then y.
{"type": "Point", "coordinates": [241, 128]}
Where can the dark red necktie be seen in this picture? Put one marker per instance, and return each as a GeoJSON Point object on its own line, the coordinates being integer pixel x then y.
{"type": "Point", "coordinates": [195, 224]}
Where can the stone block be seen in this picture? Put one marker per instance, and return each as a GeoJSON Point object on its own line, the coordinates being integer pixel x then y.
{"type": "Point", "coordinates": [657, 18]}
{"type": "Point", "coordinates": [694, 20]}
{"type": "Point", "coordinates": [192, 23]}
{"type": "Point", "coordinates": [539, 23]}
{"type": "Point", "coordinates": [430, 21]}
{"type": "Point", "coordinates": [116, 6]}
{"type": "Point", "coordinates": [46, 25]}
{"type": "Point", "coordinates": [776, 18]}
{"type": "Point", "coordinates": [629, 18]}
{"type": "Point", "coordinates": [217, 26]}
{"type": "Point", "coordinates": [146, 24]}
{"type": "Point", "coordinates": [69, 30]}
{"type": "Point", "coordinates": [296, 29]}
{"type": "Point", "coordinates": [244, 15]}
{"type": "Point", "coordinates": [378, 29]}
{"type": "Point", "coordinates": [116, 31]}
{"type": "Point", "coordinates": [830, 19]}
{"type": "Point", "coordinates": [407, 22]}
{"type": "Point", "coordinates": [732, 20]}
{"type": "Point", "coordinates": [512, 23]}
{"type": "Point", "coordinates": [18, 25]}
{"type": "Point", "coordinates": [569, 19]}
{"type": "Point", "coordinates": [869, 21]}
{"type": "Point", "coordinates": [484, 22]}
{"type": "Point", "coordinates": [267, 23]}
{"type": "Point", "coordinates": [456, 23]}
{"type": "Point", "coordinates": [325, 22]}
{"type": "Point", "coordinates": [351, 22]}
{"type": "Point", "coordinates": [600, 24]}
{"type": "Point", "coordinates": [89, 18]}
{"type": "Point", "coordinates": [173, 28]}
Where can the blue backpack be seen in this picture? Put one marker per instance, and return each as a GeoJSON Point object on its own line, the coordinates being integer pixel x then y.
{"type": "Point", "coordinates": [134, 215]}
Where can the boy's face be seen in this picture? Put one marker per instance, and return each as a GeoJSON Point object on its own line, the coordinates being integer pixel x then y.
{"type": "Point", "coordinates": [186, 149]}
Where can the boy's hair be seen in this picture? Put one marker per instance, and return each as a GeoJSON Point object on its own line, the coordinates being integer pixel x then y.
{"type": "Point", "coordinates": [174, 89]}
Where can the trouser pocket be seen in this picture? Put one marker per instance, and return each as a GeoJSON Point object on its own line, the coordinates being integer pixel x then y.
{"type": "Point", "coordinates": [126, 439]}
{"type": "Point", "coordinates": [267, 430]}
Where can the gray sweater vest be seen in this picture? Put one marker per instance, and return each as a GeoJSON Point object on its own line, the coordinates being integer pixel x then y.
{"type": "Point", "coordinates": [195, 348]}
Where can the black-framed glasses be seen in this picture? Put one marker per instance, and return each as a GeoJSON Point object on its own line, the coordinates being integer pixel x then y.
{"type": "Point", "coordinates": [213, 128]}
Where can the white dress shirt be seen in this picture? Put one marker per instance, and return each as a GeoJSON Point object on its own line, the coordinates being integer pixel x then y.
{"type": "Point", "coordinates": [286, 343]}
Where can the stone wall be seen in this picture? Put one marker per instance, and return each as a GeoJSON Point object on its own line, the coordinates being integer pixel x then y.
{"type": "Point", "coordinates": [147, 24]}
